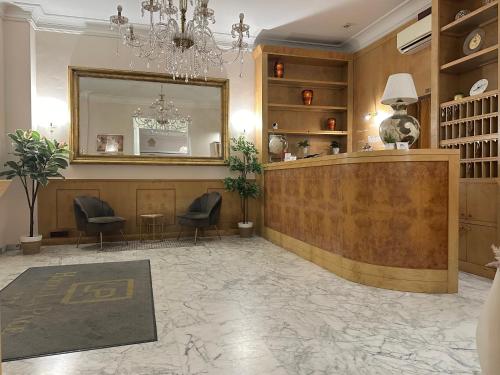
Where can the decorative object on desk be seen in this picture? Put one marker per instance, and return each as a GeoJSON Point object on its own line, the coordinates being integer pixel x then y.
{"type": "Point", "coordinates": [38, 160]}
{"type": "Point", "coordinates": [402, 146]}
{"type": "Point", "coordinates": [246, 189]}
{"type": "Point", "coordinates": [277, 147]}
{"type": "Point", "coordinates": [304, 147]}
{"type": "Point", "coordinates": [279, 69]}
{"type": "Point", "coordinates": [399, 92]}
{"type": "Point", "coordinates": [307, 97]}
{"type": "Point", "coordinates": [331, 123]}
{"type": "Point", "coordinates": [109, 143]}
{"type": "Point", "coordinates": [367, 148]}
{"type": "Point", "coordinates": [458, 96]}
{"type": "Point", "coordinates": [479, 87]}
{"type": "Point", "coordinates": [275, 126]}
{"type": "Point", "coordinates": [335, 146]}
{"type": "Point", "coordinates": [474, 41]}
{"type": "Point", "coordinates": [488, 328]}
{"type": "Point", "coordinates": [462, 13]}
{"type": "Point", "coordinates": [389, 141]}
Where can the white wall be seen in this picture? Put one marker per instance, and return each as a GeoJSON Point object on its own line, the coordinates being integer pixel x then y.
{"type": "Point", "coordinates": [54, 53]}
{"type": "Point", "coordinates": [17, 59]}
{"type": "Point", "coordinates": [3, 216]}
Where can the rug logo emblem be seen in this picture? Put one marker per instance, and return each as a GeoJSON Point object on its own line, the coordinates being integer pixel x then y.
{"type": "Point", "coordinates": [99, 291]}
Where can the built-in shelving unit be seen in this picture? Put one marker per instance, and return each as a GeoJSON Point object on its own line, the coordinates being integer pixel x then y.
{"type": "Point", "coordinates": [476, 60]}
{"type": "Point", "coordinates": [279, 100]}
{"type": "Point", "coordinates": [470, 124]}
{"type": "Point", "coordinates": [477, 18]}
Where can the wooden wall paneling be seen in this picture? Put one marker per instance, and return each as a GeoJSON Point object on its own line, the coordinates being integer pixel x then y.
{"type": "Point", "coordinates": [65, 215]}
{"type": "Point", "coordinates": [156, 201]}
{"type": "Point", "coordinates": [369, 83]}
{"type": "Point", "coordinates": [130, 198]}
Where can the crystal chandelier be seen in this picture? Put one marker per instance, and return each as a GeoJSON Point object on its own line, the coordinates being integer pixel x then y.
{"type": "Point", "coordinates": [187, 48]}
{"type": "Point", "coordinates": [163, 116]}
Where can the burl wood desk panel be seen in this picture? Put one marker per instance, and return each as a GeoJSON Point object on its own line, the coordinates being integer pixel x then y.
{"type": "Point", "coordinates": [376, 218]}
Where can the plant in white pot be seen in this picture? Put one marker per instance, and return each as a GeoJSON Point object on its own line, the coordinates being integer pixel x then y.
{"type": "Point", "coordinates": [304, 146]}
{"type": "Point", "coordinates": [389, 141]}
{"type": "Point", "coordinates": [245, 163]}
{"type": "Point", "coordinates": [488, 328]}
{"type": "Point", "coordinates": [38, 159]}
{"type": "Point", "coordinates": [335, 146]}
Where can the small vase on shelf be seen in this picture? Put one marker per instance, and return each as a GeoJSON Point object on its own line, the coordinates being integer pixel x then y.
{"type": "Point", "coordinates": [279, 69]}
{"type": "Point", "coordinates": [331, 123]}
{"type": "Point", "coordinates": [307, 97]}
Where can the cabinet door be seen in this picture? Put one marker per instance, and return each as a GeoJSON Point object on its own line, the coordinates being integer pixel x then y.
{"type": "Point", "coordinates": [479, 241]}
{"type": "Point", "coordinates": [482, 202]}
{"type": "Point", "coordinates": [462, 249]}
{"type": "Point", "coordinates": [462, 200]}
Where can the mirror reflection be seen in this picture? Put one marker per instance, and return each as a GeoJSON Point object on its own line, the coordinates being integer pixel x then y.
{"type": "Point", "coordinates": [149, 119]}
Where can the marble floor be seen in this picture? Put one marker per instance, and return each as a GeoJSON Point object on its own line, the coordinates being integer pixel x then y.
{"type": "Point", "coordinates": [242, 307]}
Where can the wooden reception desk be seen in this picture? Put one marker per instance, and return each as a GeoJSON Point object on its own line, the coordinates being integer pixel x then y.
{"type": "Point", "coordinates": [387, 219]}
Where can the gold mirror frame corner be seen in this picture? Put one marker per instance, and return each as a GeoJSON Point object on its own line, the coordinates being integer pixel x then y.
{"type": "Point", "coordinates": [74, 75]}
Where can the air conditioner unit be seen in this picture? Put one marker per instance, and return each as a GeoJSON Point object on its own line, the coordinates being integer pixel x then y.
{"type": "Point", "coordinates": [415, 37]}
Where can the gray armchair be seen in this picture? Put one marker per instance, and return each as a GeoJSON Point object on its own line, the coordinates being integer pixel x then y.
{"type": "Point", "coordinates": [95, 217]}
{"type": "Point", "coordinates": [204, 212]}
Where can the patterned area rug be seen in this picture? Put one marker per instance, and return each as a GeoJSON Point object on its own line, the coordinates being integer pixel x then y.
{"type": "Point", "coordinates": [61, 309]}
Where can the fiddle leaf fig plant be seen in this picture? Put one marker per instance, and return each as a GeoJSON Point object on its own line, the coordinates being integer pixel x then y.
{"type": "Point", "coordinates": [244, 163]}
{"type": "Point", "coordinates": [38, 159]}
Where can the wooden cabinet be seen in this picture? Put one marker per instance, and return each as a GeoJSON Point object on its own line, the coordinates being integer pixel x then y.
{"type": "Point", "coordinates": [478, 225]}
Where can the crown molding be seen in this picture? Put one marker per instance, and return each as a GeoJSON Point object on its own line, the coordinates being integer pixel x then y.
{"type": "Point", "coordinates": [44, 21]}
{"type": "Point", "coordinates": [400, 15]}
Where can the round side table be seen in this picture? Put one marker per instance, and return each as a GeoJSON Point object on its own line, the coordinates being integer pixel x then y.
{"type": "Point", "coordinates": [152, 222]}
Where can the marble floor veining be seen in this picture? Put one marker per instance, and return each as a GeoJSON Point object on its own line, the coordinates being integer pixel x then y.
{"type": "Point", "coordinates": [241, 307]}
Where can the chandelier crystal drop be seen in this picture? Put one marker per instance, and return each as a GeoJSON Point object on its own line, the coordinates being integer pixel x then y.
{"type": "Point", "coordinates": [185, 48]}
{"type": "Point", "coordinates": [162, 116]}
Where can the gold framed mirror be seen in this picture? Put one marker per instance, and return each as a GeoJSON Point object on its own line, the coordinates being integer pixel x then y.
{"type": "Point", "coordinates": [124, 117]}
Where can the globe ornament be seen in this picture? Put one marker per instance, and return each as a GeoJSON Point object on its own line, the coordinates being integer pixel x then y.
{"type": "Point", "coordinates": [400, 126]}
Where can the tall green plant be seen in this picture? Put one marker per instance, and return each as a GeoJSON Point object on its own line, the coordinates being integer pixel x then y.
{"type": "Point", "coordinates": [245, 162]}
{"type": "Point", "coordinates": [38, 159]}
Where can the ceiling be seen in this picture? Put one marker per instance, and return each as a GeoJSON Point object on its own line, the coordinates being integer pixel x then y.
{"type": "Point", "coordinates": [293, 21]}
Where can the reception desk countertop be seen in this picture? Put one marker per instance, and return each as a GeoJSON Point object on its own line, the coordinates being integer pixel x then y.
{"type": "Point", "coordinates": [385, 218]}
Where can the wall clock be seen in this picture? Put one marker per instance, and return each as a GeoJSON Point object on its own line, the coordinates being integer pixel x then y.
{"type": "Point", "coordinates": [474, 41]}
{"type": "Point", "coordinates": [479, 87]}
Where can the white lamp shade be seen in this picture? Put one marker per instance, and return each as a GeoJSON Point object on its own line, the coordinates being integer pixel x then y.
{"type": "Point", "coordinates": [400, 88]}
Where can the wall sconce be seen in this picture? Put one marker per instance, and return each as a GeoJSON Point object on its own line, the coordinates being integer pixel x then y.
{"type": "Point", "coordinates": [370, 116]}
{"type": "Point", "coordinates": [244, 121]}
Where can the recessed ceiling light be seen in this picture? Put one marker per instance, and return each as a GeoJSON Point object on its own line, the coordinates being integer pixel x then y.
{"type": "Point", "coordinates": [347, 25]}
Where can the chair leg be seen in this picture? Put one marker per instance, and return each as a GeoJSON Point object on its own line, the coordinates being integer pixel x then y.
{"type": "Point", "coordinates": [218, 233]}
{"type": "Point", "coordinates": [123, 236]}
{"type": "Point", "coordinates": [79, 238]}
{"type": "Point", "coordinates": [195, 235]}
{"type": "Point", "coordinates": [100, 236]}
{"type": "Point", "coordinates": [179, 235]}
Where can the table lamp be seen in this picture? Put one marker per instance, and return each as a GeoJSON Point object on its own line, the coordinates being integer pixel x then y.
{"type": "Point", "coordinates": [400, 127]}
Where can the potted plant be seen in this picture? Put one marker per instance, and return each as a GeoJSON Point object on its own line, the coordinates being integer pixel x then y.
{"type": "Point", "coordinates": [38, 160]}
{"type": "Point", "coordinates": [304, 145]}
{"type": "Point", "coordinates": [335, 147]}
{"type": "Point", "coordinates": [389, 141]}
{"type": "Point", "coordinates": [244, 163]}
